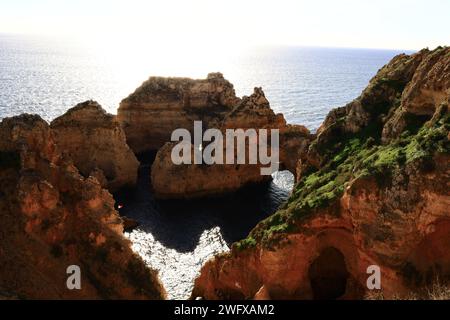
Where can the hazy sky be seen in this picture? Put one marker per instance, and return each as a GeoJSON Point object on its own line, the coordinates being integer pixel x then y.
{"type": "Point", "coordinates": [402, 24]}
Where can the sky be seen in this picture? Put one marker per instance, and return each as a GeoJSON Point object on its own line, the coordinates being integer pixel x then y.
{"type": "Point", "coordinates": [390, 24]}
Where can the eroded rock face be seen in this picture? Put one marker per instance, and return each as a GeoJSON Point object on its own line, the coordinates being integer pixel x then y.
{"type": "Point", "coordinates": [53, 217]}
{"type": "Point", "coordinates": [430, 85]}
{"type": "Point", "coordinates": [294, 144]}
{"type": "Point", "coordinates": [428, 89]}
{"type": "Point", "coordinates": [171, 180]}
{"type": "Point", "coordinates": [253, 112]}
{"type": "Point", "coordinates": [96, 143]}
{"type": "Point", "coordinates": [161, 105]}
{"type": "Point", "coordinates": [363, 198]}
{"type": "Point", "coordinates": [401, 97]}
{"type": "Point", "coordinates": [409, 242]}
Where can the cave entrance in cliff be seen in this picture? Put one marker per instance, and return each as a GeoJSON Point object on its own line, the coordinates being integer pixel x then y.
{"type": "Point", "coordinates": [328, 275]}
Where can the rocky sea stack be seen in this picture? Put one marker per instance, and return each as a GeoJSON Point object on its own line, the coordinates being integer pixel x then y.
{"type": "Point", "coordinates": [161, 105]}
{"type": "Point", "coordinates": [373, 190]}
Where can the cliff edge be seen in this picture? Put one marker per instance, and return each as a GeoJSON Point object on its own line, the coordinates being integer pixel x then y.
{"type": "Point", "coordinates": [373, 190]}
{"type": "Point", "coordinates": [53, 217]}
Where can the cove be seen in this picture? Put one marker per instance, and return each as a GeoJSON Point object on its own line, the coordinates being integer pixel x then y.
{"type": "Point", "coordinates": [178, 237]}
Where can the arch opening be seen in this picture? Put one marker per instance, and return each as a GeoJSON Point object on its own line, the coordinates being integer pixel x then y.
{"type": "Point", "coordinates": [328, 275]}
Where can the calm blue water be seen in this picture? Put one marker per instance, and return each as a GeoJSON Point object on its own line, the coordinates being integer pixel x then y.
{"type": "Point", "coordinates": [48, 76]}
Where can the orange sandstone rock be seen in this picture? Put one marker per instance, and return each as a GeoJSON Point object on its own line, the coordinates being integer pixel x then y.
{"type": "Point", "coordinates": [373, 190]}
{"type": "Point", "coordinates": [53, 217]}
{"type": "Point", "coordinates": [95, 142]}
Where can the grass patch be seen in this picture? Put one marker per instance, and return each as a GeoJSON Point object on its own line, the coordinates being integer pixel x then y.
{"type": "Point", "coordinates": [357, 156]}
{"type": "Point", "coordinates": [246, 243]}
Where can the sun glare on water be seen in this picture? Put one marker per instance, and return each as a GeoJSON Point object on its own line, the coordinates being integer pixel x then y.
{"type": "Point", "coordinates": [132, 61]}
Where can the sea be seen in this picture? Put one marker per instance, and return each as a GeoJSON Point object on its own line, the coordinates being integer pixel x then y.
{"type": "Point", "coordinates": [47, 76]}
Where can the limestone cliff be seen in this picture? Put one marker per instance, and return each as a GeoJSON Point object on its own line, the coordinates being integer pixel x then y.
{"type": "Point", "coordinates": [161, 105]}
{"type": "Point", "coordinates": [53, 217]}
{"type": "Point", "coordinates": [253, 112]}
{"type": "Point", "coordinates": [171, 180]}
{"type": "Point", "coordinates": [373, 190]}
{"type": "Point", "coordinates": [96, 143]}
{"type": "Point", "coordinates": [294, 144]}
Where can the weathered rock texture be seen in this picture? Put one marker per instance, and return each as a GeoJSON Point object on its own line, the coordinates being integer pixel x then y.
{"type": "Point", "coordinates": [53, 217]}
{"type": "Point", "coordinates": [253, 112]}
{"type": "Point", "coordinates": [373, 190]}
{"type": "Point", "coordinates": [161, 105]}
{"type": "Point", "coordinates": [96, 143]}
{"type": "Point", "coordinates": [294, 145]}
{"type": "Point", "coordinates": [195, 181]}
{"type": "Point", "coordinates": [190, 180]}
{"type": "Point", "coordinates": [427, 90]}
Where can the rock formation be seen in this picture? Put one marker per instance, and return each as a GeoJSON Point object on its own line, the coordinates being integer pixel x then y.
{"type": "Point", "coordinates": [55, 211]}
{"type": "Point", "coordinates": [294, 145]}
{"type": "Point", "coordinates": [373, 190]}
{"type": "Point", "coordinates": [161, 105]}
{"type": "Point", "coordinates": [171, 180]}
{"type": "Point", "coordinates": [96, 143]}
{"type": "Point", "coordinates": [253, 112]}
{"type": "Point", "coordinates": [53, 217]}
{"type": "Point", "coordinates": [427, 90]}
{"type": "Point", "coordinates": [188, 181]}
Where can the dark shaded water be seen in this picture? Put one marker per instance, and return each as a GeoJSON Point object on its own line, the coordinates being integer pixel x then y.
{"type": "Point", "coordinates": [178, 237]}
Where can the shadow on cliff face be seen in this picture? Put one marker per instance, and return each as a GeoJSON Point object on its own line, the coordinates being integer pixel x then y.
{"type": "Point", "coordinates": [178, 224]}
{"type": "Point", "coordinates": [328, 275]}
{"type": "Point", "coordinates": [429, 260]}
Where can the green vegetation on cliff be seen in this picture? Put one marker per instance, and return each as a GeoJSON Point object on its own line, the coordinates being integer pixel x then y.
{"type": "Point", "coordinates": [353, 157]}
{"type": "Point", "coordinates": [399, 123]}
